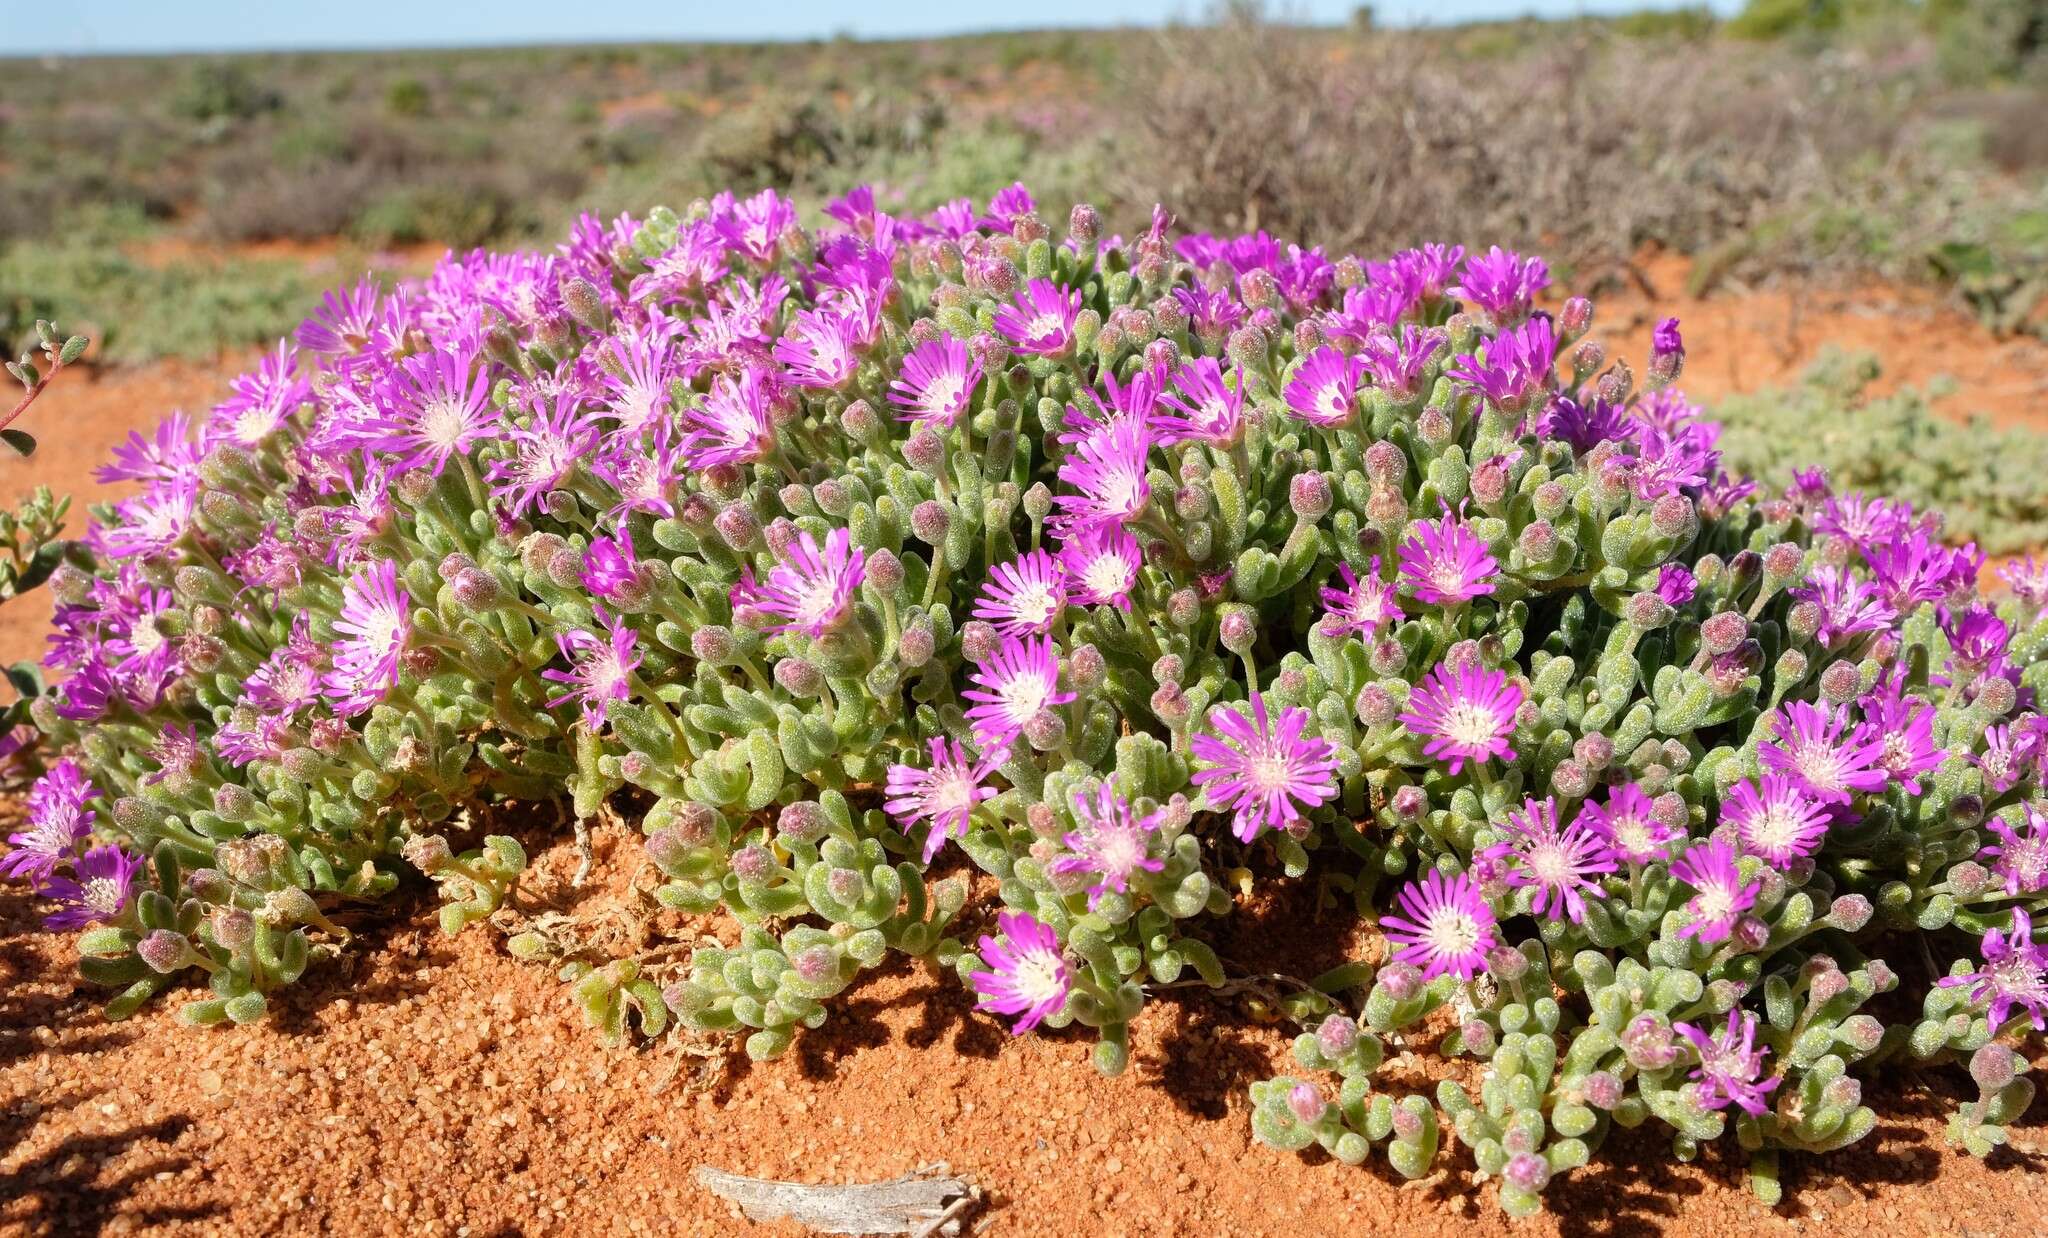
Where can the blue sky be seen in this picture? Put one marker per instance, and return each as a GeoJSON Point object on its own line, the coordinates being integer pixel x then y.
{"type": "Point", "coordinates": [95, 26]}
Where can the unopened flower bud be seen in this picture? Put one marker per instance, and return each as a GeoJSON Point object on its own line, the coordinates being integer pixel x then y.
{"type": "Point", "coordinates": [1996, 696]}
{"type": "Point", "coordinates": [739, 528]}
{"type": "Point", "coordinates": [1648, 611]}
{"type": "Point", "coordinates": [859, 421]}
{"type": "Point", "coordinates": [928, 521]}
{"type": "Point", "coordinates": [979, 640]}
{"type": "Point", "coordinates": [885, 572]}
{"type": "Point", "coordinates": [1336, 1036]}
{"type": "Point", "coordinates": [1043, 821]}
{"type": "Point", "coordinates": [713, 643]}
{"type": "Point", "coordinates": [1673, 516]}
{"type": "Point", "coordinates": [1401, 982]}
{"type": "Point", "coordinates": [1309, 495]}
{"type": "Point", "coordinates": [1526, 1171]}
{"type": "Point", "coordinates": [1305, 1101]}
{"type": "Point", "coordinates": [798, 677]}
{"type": "Point", "coordinates": [1046, 731]}
{"type": "Point", "coordinates": [1601, 1090]}
{"type": "Point", "coordinates": [1648, 1043]}
{"type": "Point", "coordinates": [1840, 682]}
{"type": "Point", "coordinates": [1570, 780]}
{"type": "Point", "coordinates": [1387, 658]}
{"type": "Point", "coordinates": [1791, 667]}
{"type": "Point", "coordinates": [1409, 802]}
{"type": "Point", "coordinates": [1550, 501]}
{"type": "Point", "coordinates": [1617, 384]}
{"type": "Point", "coordinates": [915, 647]}
{"type": "Point", "coordinates": [234, 929]}
{"type": "Point", "coordinates": [1084, 224]}
{"type": "Point", "coordinates": [1782, 562]}
{"type": "Point", "coordinates": [1575, 318]}
{"type": "Point", "coordinates": [1385, 464]}
{"type": "Point", "coordinates": [1247, 349]}
{"type": "Point", "coordinates": [1849, 913]}
{"type": "Point", "coordinates": [1434, 425]}
{"type": "Point", "coordinates": [1086, 668]}
{"type": "Point", "coordinates": [1183, 608]}
{"type": "Point", "coordinates": [164, 951]}
{"type": "Point", "coordinates": [209, 885]}
{"type": "Point", "coordinates": [754, 864]}
{"type": "Point", "coordinates": [1994, 1066]}
{"type": "Point", "coordinates": [1478, 1036]}
{"type": "Point", "coordinates": [1375, 705]}
{"type": "Point", "coordinates": [801, 822]}
{"type": "Point", "coordinates": [1723, 632]}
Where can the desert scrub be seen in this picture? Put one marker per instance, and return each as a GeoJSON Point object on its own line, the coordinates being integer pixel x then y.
{"type": "Point", "coordinates": [1984, 482]}
{"type": "Point", "coordinates": [1129, 571]}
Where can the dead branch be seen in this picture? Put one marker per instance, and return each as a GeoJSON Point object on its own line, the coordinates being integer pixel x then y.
{"type": "Point", "coordinates": [925, 1203]}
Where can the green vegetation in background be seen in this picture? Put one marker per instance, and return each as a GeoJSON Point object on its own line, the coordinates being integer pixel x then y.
{"type": "Point", "coordinates": [1984, 480]}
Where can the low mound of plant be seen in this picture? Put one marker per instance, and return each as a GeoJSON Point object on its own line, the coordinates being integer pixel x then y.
{"type": "Point", "coordinates": [1132, 572]}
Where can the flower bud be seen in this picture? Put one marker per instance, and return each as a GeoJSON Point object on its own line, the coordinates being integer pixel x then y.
{"type": "Point", "coordinates": [1038, 501]}
{"type": "Point", "coordinates": [1046, 731]}
{"type": "Point", "coordinates": [1239, 628]}
{"type": "Point", "coordinates": [713, 643]}
{"type": "Point", "coordinates": [1375, 705]}
{"type": "Point", "coordinates": [1336, 1036]}
{"type": "Point", "coordinates": [1434, 425]}
{"type": "Point", "coordinates": [1305, 1102]}
{"type": "Point", "coordinates": [1969, 878]}
{"type": "Point", "coordinates": [1385, 465]}
{"type": "Point", "coordinates": [1400, 981]}
{"type": "Point", "coordinates": [1526, 1171]}
{"type": "Point", "coordinates": [1409, 802]}
{"type": "Point", "coordinates": [1648, 1043]}
{"type": "Point", "coordinates": [979, 641]}
{"type": "Point", "coordinates": [1086, 668]}
{"type": "Point", "coordinates": [915, 647]}
{"type": "Point", "coordinates": [1840, 682]}
{"type": "Point", "coordinates": [234, 803]}
{"type": "Point", "coordinates": [1570, 780]}
{"type": "Point", "coordinates": [1478, 1036]}
{"type": "Point", "coordinates": [1043, 821]}
{"type": "Point", "coordinates": [164, 951]}
{"type": "Point", "coordinates": [1507, 964]}
{"type": "Point", "coordinates": [1550, 500]}
{"type": "Point", "coordinates": [739, 528]}
{"type": "Point", "coordinates": [1721, 633]}
{"type": "Point", "coordinates": [753, 864]}
{"type": "Point", "coordinates": [1601, 1090]}
{"type": "Point", "coordinates": [1247, 349]}
{"type": "Point", "coordinates": [209, 885]}
{"type": "Point", "coordinates": [1084, 225]}
{"type": "Point", "coordinates": [1782, 562]}
{"type": "Point", "coordinates": [1593, 750]}
{"type": "Point", "coordinates": [1387, 658]}
{"type": "Point", "coordinates": [1673, 516]}
{"type": "Point", "coordinates": [234, 929]}
{"type": "Point", "coordinates": [1183, 608]}
{"type": "Point", "coordinates": [1849, 913]}
{"type": "Point", "coordinates": [1648, 611]}
{"type": "Point", "coordinates": [801, 822]}
{"type": "Point", "coordinates": [1996, 696]}
{"type": "Point", "coordinates": [1617, 384]}
{"type": "Point", "coordinates": [859, 421]}
{"type": "Point", "coordinates": [885, 572]}
{"type": "Point", "coordinates": [800, 678]}
{"type": "Point", "coordinates": [929, 520]}
{"type": "Point", "coordinates": [1994, 1066]}
{"type": "Point", "coordinates": [1575, 318]}
{"type": "Point", "coordinates": [1309, 495]}
{"type": "Point", "coordinates": [1667, 355]}
{"type": "Point", "coordinates": [201, 653]}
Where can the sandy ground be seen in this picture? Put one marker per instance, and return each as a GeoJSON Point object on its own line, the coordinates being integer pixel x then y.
{"type": "Point", "coordinates": [417, 1084]}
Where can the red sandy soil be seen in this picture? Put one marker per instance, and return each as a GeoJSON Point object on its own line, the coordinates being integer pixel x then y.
{"type": "Point", "coordinates": [418, 1084]}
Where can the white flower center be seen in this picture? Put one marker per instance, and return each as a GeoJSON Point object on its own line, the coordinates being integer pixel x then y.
{"type": "Point", "coordinates": [1268, 773]}
{"type": "Point", "coordinates": [1107, 576]}
{"type": "Point", "coordinates": [1550, 864]}
{"type": "Point", "coordinates": [1038, 979]}
{"type": "Point", "coordinates": [442, 423]}
{"type": "Point", "coordinates": [1452, 932]}
{"type": "Point", "coordinates": [943, 396]}
{"type": "Point", "coordinates": [818, 601]}
{"type": "Point", "coordinates": [1716, 902]}
{"type": "Point", "coordinates": [103, 894]}
{"type": "Point", "coordinates": [1471, 725]}
{"type": "Point", "coordinates": [1033, 604]}
{"type": "Point", "coordinates": [1044, 325]}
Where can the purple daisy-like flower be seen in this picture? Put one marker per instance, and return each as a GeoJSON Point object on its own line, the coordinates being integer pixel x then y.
{"type": "Point", "coordinates": [1398, 365]}
{"type": "Point", "coordinates": [1466, 712]}
{"type": "Point", "coordinates": [343, 323]}
{"type": "Point", "coordinates": [1040, 322]}
{"type": "Point", "coordinates": [1364, 606]}
{"type": "Point", "coordinates": [1976, 636]}
{"type": "Point", "coordinates": [600, 668]}
{"type": "Point", "coordinates": [1730, 1063]}
{"type": "Point", "coordinates": [1211, 314]}
{"type": "Point", "coordinates": [1863, 520]}
{"type": "Point", "coordinates": [756, 226]}
{"type": "Point", "coordinates": [1583, 424]}
{"type": "Point", "coordinates": [261, 400]}
{"type": "Point", "coordinates": [1100, 564]}
{"type": "Point", "coordinates": [2015, 973]}
{"type": "Point", "coordinates": [1911, 569]}
{"type": "Point", "coordinates": [1112, 843]}
{"type": "Point", "coordinates": [945, 794]}
{"type": "Point", "coordinates": [1667, 345]}
{"type": "Point", "coordinates": [292, 677]}
{"type": "Point", "coordinates": [1027, 974]}
{"type": "Point", "coordinates": [1265, 771]}
{"type": "Point", "coordinates": [938, 378]}
{"type": "Point", "coordinates": [1818, 747]}
{"type": "Point", "coordinates": [1904, 726]}
{"type": "Point", "coordinates": [812, 588]}
{"type": "Point", "coordinates": [1849, 605]}
{"type": "Point", "coordinates": [1018, 683]}
{"type": "Point", "coordinates": [1446, 926]}
{"type": "Point", "coordinates": [733, 425]}
{"type": "Point", "coordinates": [1025, 596]}
{"type": "Point", "coordinates": [1501, 282]}
{"type": "Point", "coordinates": [435, 406]}
{"type": "Point", "coordinates": [2020, 858]}
{"type": "Point", "coordinates": [1516, 364]}
{"type": "Point", "coordinates": [610, 567]}
{"type": "Point", "coordinates": [167, 455]}
{"type": "Point", "coordinates": [1775, 819]}
{"type": "Point", "coordinates": [1324, 391]}
{"type": "Point", "coordinates": [2004, 758]}
{"type": "Point", "coordinates": [1562, 864]}
{"type": "Point", "coordinates": [820, 350]}
{"type": "Point", "coordinates": [1676, 584]}
{"type": "Point", "coordinates": [2027, 578]}
{"type": "Point", "coordinates": [97, 891]}
{"type": "Point", "coordinates": [643, 471]}
{"type": "Point", "coordinates": [1107, 469]}
{"type": "Point", "coordinates": [639, 370]}
{"type": "Point", "coordinates": [544, 452]}
{"type": "Point", "coordinates": [58, 823]}
{"type": "Point", "coordinates": [1444, 562]}
{"type": "Point", "coordinates": [1208, 408]}
{"type": "Point", "coordinates": [1720, 898]}
{"type": "Point", "coordinates": [374, 626]}
{"type": "Point", "coordinates": [153, 520]}
{"type": "Point", "coordinates": [1629, 825]}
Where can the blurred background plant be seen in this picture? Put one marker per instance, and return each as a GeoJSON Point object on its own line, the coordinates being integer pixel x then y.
{"type": "Point", "coordinates": [1800, 136]}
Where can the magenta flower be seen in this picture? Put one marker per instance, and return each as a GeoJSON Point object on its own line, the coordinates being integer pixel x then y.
{"type": "Point", "coordinates": [1443, 561]}
{"type": "Point", "coordinates": [1112, 843]}
{"type": "Point", "coordinates": [1913, 568]}
{"type": "Point", "coordinates": [734, 424]}
{"type": "Point", "coordinates": [1849, 605]}
{"type": "Point", "coordinates": [1211, 315]}
{"type": "Point", "coordinates": [937, 380]}
{"type": "Point", "coordinates": [2015, 973]}
{"type": "Point", "coordinates": [1502, 283]}
{"type": "Point", "coordinates": [344, 321]}
{"type": "Point", "coordinates": [1026, 974]}
{"type": "Point", "coordinates": [1023, 597]}
{"type": "Point", "coordinates": [1817, 747]}
{"type": "Point", "coordinates": [1100, 563]}
{"type": "Point", "coordinates": [151, 522]}
{"type": "Point", "coordinates": [820, 350]}
{"type": "Point", "coordinates": [374, 626]}
{"type": "Point", "coordinates": [610, 567]}
{"type": "Point", "coordinates": [97, 891]}
{"type": "Point", "coordinates": [639, 369]}
{"type": "Point", "coordinates": [1324, 391]}
{"type": "Point", "coordinates": [812, 588]}
{"type": "Point", "coordinates": [435, 406]}
{"type": "Point", "coordinates": [1040, 322]}
{"type": "Point", "coordinates": [1364, 606]}
{"type": "Point", "coordinates": [2027, 578]}
{"type": "Point", "coordinates": [1516, 364]}
{"type": "Point", "coordinates": [1446, 927]}
{"type": "Point", "coordinates": [1562, 864]}
{"type": "Point", "coordinates": [1467, 713]}
{"type": "Point", "coordinates": [600, 668]}
{"type": "Point", "coordinates": [754, 227]}
{"type": "Point", "coordinates": [1107, 470]}
{"type": "Point", "coordinates": [944, 794]}
{"type": "Point", "coordinates": [1904, 726]}
{"type": "Point", "coordinates": [1629, 825]}
{"type": "Point", "coordinates": [167, 455]}
{"type": "Point", "coordinates": [58, 824]}
{"type": "Point", "coordinates": [2004, 758]}
{"type": "Point", "coordinates": [1730, 1063]}
{"type": "Point", "coordinates": [1016, 685]}
{"type": "Point", "coordinates": [1583, 425]}
{"type": "Point", "coordinates": [1776, 820]}
{"type": "Point", "coordinates": [544, 452]}
{"type": "Point", "coordinates": [1676, 584]}
{"type": "Point", "coordinates": [1266, 772]}
{"type": "Point", "coordinates": [262, 399]}
{"type": "Point", "coordinates": [1398, 366]}
{"type": "Point", "coordinates": [2022, 859]}
{"type": "Point", "coordinates": [1208, 408]}
{"type": "Point", "coordinates": [1863, 520]}
{"type": "Point", "coordinates": [1721, 898]}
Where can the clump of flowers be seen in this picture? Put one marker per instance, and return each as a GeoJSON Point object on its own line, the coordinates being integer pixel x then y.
{"type": "Point", "coordinates": [1131, 572]}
